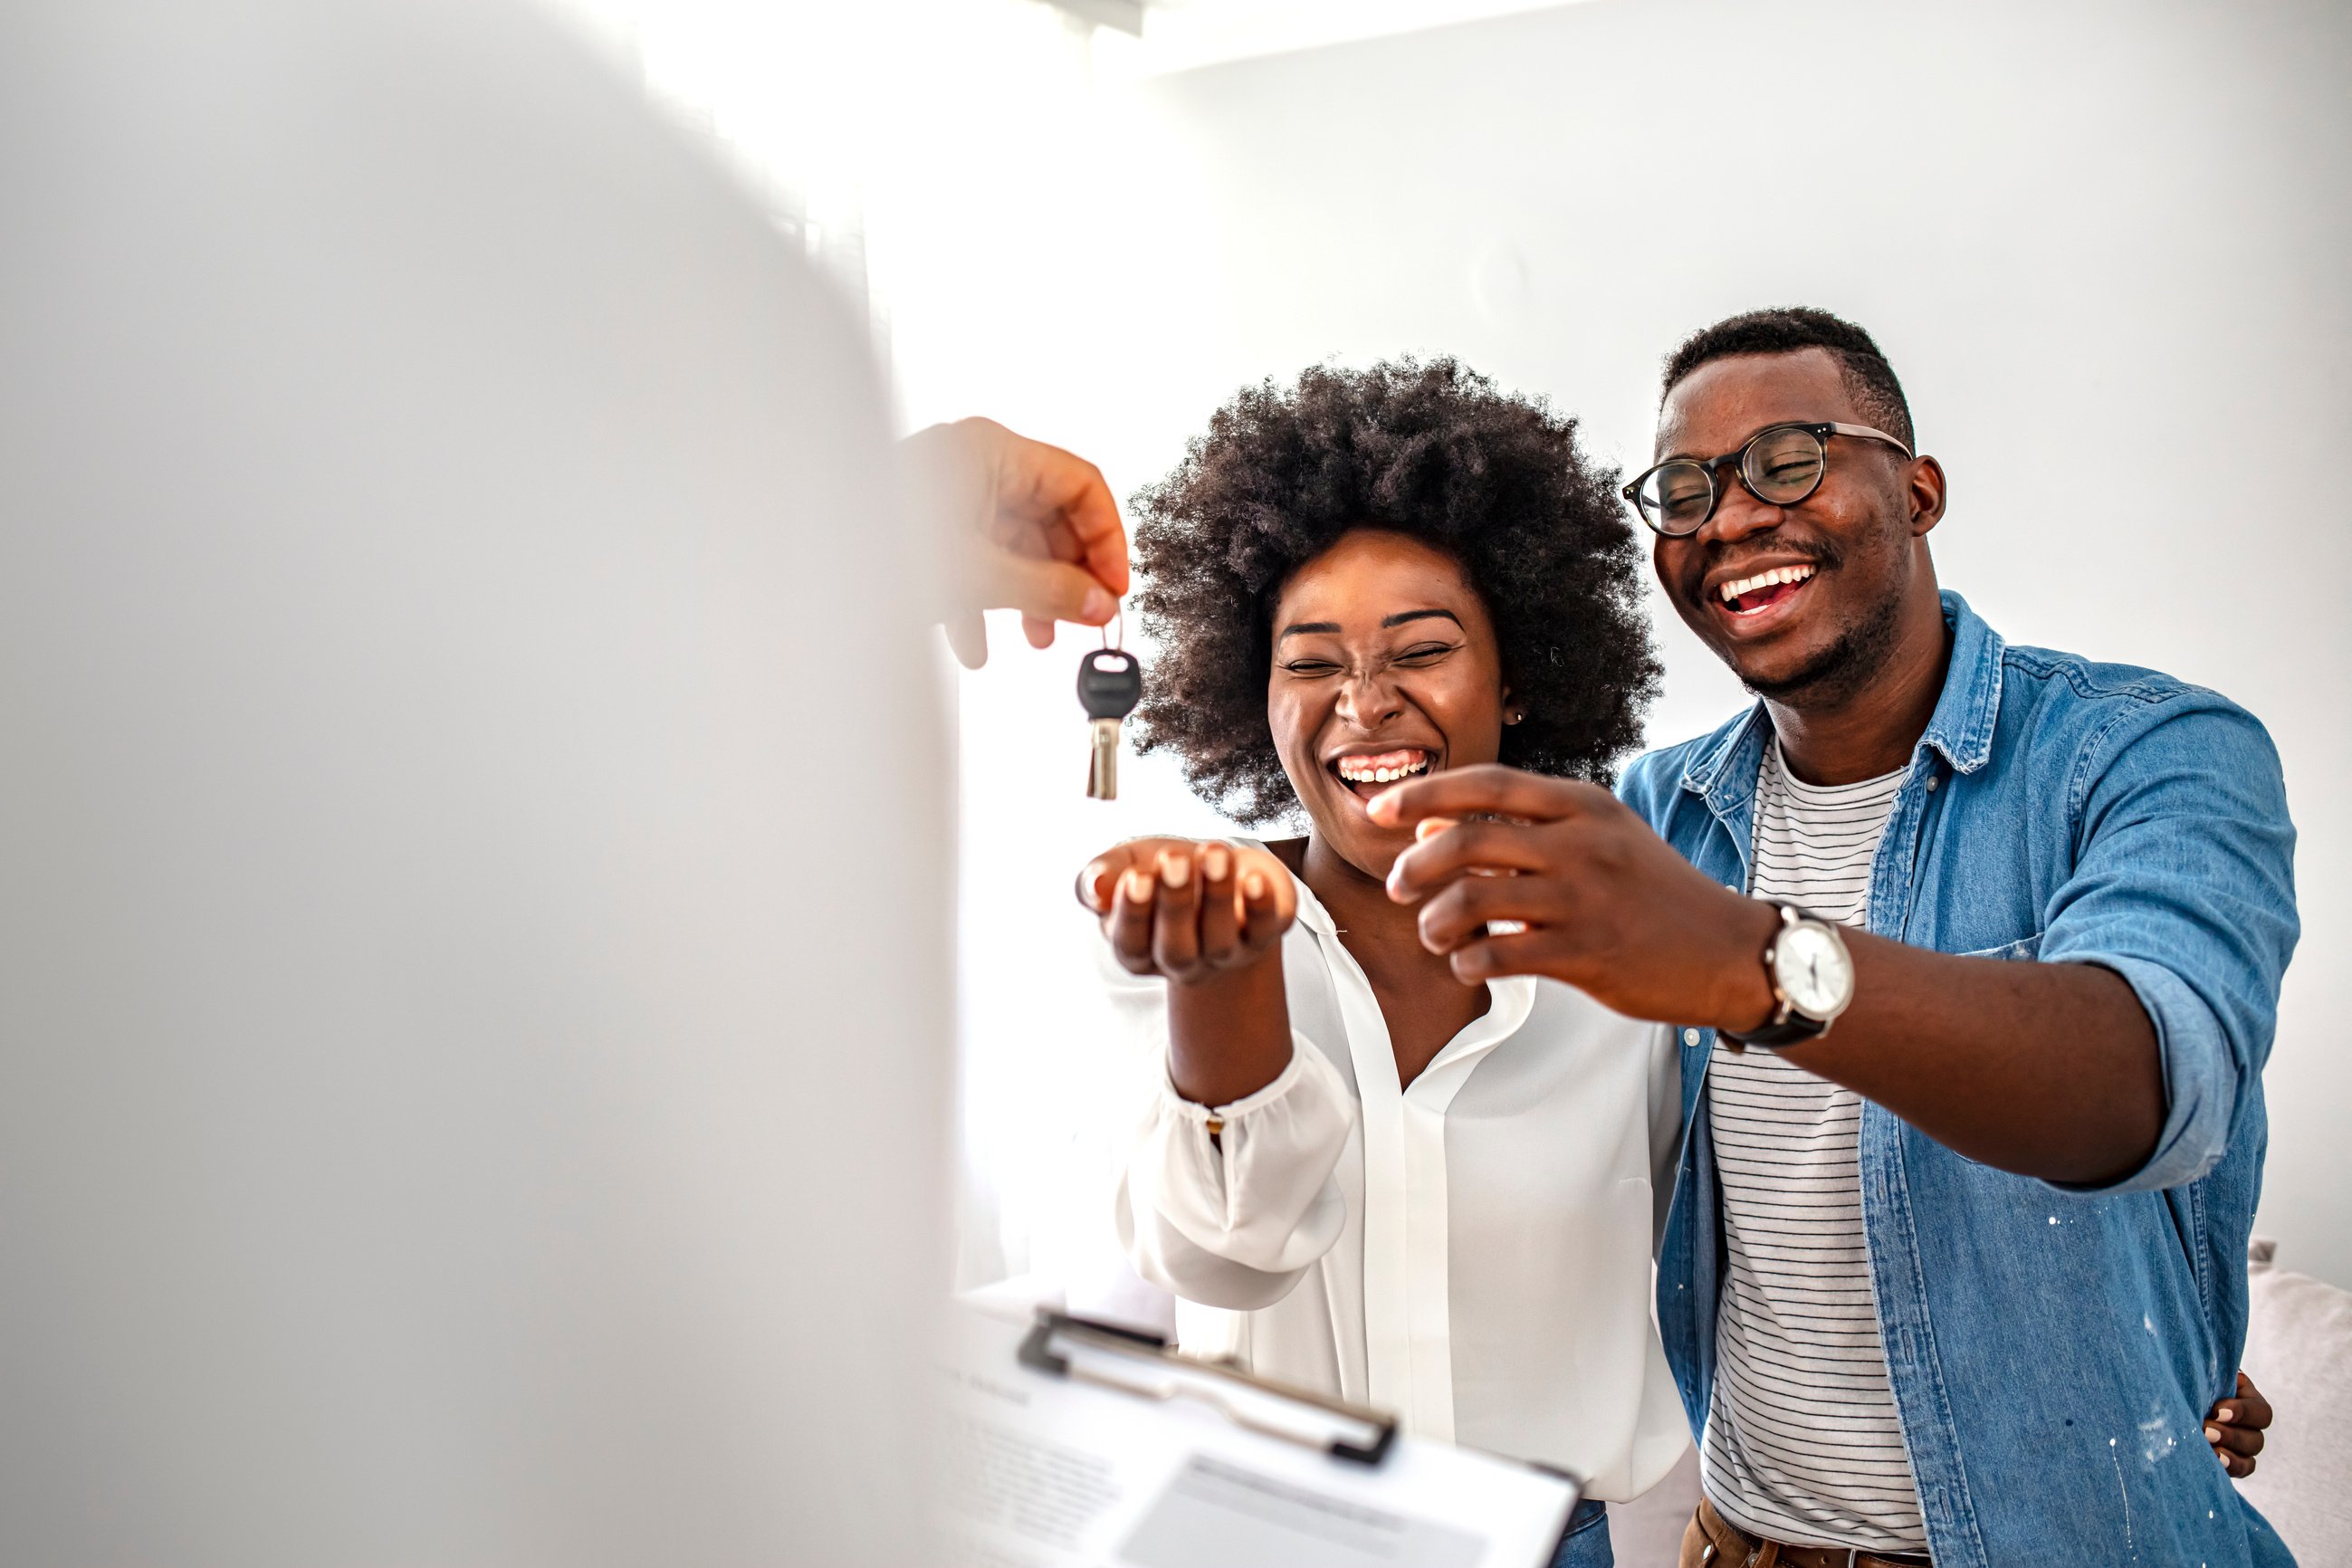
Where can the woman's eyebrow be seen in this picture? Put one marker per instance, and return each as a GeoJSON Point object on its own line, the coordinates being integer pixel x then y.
{"type": "Point", "coordinates": [1297, 627]}
{"type": "Point", "coordinates": [1399, 620]}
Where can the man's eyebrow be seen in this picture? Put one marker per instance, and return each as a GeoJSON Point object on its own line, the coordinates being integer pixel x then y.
{"type": "Point", "coordinates": [1297, 627]}
{"type": "Point", "coordinates": [1399, 620]}
{"type": "Point", "coordinates": [1659, 455]}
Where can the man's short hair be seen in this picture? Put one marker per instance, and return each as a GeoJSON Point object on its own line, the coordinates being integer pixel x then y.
{"type": "Point", "coordinates": [1869, 379]}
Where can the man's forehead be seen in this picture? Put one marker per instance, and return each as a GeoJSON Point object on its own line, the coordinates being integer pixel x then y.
{"type": "Point", "coordinates": [1722, 403]}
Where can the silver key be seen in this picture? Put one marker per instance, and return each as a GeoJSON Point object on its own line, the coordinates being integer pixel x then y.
{"type": "Point", "coordinates": [1110, 683]}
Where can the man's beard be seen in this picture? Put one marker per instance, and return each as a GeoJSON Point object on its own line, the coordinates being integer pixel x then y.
{"type": "Point", "coordinates": [1839, 672]}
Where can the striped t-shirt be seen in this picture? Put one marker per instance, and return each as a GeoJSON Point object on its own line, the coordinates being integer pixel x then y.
{"type": "Point", "coordinates": [1802, 1444]}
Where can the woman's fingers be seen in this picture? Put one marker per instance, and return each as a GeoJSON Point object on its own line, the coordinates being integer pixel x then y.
{"type": "Point", "coordinates": [1264, 917]}
{"type": "Point", "coordinates": [2235, 1428]}
{"type": "Point", "coordinates": [1098, 878]}
{"type": "Point", "coordinates": [2248, 1407]}
{"type": "Point", "coordinates": [1185, 909]}
{"type": "Point", "coordinates": [1176, 932]}
{"type": "Point", "coordinates": [2242, 1442]}
{"type": "Point", "coordinates": [1220, 922]}
{"type": "Point", "coordinates": [1128, 924]}
{"type": "Point", "coordinates": [1098, 883]}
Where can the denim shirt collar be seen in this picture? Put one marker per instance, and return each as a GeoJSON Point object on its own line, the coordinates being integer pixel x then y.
{"type": "Point", "coordinates": [1961, 727]}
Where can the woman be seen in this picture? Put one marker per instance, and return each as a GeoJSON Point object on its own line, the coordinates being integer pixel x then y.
{"type": "Point", "coordinates": [1355, 1172]}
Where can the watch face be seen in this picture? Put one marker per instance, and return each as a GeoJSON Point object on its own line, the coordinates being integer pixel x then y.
{"type": "Point", "coordinates": [1814, 971]}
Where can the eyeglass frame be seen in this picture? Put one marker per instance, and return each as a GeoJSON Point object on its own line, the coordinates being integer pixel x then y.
{"type": "Point", "coordinates": [1820, 430]}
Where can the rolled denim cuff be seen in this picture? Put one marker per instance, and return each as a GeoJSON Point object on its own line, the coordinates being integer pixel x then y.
{"type": "Point", "coordinates": [2200, 1078]}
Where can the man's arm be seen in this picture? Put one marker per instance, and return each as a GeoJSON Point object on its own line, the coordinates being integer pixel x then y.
{"type": "Point", "coordinates": [2046, 1069]}
{"type": "Point", "coordinates": [2065, 1070]}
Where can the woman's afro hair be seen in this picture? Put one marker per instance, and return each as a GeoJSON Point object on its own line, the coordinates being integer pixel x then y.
{"type": "Point", "coordinates": [1432, 451]}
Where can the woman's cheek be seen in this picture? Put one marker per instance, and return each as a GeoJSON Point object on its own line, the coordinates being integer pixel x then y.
{"type": "Point", "coordinates": [1470, 715]}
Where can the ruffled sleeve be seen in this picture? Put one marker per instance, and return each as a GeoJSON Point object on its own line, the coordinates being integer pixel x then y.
{"type": "Point", "coordinates": [1231, 1219]}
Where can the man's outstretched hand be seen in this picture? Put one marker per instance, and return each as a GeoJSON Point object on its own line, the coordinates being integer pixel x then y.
{"type": "Point", "coordinates": [1037, 529]}
{"type": "Point", "coordinates": [1968, 1050]}
{"type": "Point", "coordinates": [1608, 905]}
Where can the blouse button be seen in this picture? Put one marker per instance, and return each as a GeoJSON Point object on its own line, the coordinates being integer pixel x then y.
{"type": "Point", "coordinates": [1690, 1036]}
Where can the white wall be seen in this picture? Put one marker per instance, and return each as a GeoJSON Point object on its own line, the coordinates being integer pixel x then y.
{"type": "Point", "coordinates": [2102, 244]}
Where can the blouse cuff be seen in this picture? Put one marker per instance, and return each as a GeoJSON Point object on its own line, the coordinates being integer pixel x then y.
{"type": "Point", "coordinates": [1259, 1190]}
{"type": "Point", "coordinates": [1293, 1073]}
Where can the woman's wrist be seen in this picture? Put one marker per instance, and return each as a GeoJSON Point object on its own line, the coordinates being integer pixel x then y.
{"type": "Point", "coordinates": [1229, 1034]}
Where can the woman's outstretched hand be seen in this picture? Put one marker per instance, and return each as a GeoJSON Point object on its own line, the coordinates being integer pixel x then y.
{"type": "Point", "coordinates": [1188, 911]}
{"type": "Point", "coordinates": [1202, 916]}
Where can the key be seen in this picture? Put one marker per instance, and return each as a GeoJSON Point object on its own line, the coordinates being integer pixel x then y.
{"type": "Point", "coordinates": [1110, 683]}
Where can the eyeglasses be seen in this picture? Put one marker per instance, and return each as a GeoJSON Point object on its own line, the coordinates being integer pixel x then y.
{"type": "Point", "coordinates": [1781, 466]}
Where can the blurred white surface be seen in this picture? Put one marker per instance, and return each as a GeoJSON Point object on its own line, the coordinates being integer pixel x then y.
{"type": "Point", "coordinates": [473, 1036]}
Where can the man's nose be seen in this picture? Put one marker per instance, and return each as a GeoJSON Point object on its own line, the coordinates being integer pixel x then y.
{"type": "Point", "coordinates": [1740, 514]}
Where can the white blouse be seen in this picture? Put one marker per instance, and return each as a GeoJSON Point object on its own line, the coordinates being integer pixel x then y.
{"type": "Point", "coordinates": [1472, 1251]}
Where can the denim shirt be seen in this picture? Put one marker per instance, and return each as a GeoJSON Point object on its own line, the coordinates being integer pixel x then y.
{"type": "Point", "coordinates": [2053, 1349]}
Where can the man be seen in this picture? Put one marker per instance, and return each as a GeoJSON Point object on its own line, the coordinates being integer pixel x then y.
{"type": "Point", "coordinates": [464, 1097]}
{"type": "Point", "coordinates": [1977, 951]}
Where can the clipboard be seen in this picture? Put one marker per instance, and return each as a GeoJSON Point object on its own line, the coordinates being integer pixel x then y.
{"type": "Point", "coordinates": [1140, 1363]}
{"type": "Point", "coordinates": [1075, 1443]}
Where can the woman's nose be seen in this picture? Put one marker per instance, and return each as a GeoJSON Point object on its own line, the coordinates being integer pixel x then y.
{"type": "Point", "coordinates": [1368, 701]}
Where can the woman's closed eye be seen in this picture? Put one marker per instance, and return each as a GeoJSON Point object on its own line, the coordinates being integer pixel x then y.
{"type": "Point", "coordinates": [1424, 654]}
{"type": "Point", "coordinates": [1421, 656]}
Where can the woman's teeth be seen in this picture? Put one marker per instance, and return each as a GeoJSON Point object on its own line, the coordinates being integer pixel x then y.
{"type": "Point", "coordinates": [1733, 592]}
{"type": "Point", "coordinates": [1386, 768]}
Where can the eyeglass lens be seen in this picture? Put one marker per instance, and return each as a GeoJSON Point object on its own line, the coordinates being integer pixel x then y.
{"type": "Point", "coordinates": [1781, 466]}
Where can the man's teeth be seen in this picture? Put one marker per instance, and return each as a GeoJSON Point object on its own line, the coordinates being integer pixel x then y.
{"type": "Point", "coordinates": [1380, 770]}
{"type": "Point", "coordinates": [1734, 590]}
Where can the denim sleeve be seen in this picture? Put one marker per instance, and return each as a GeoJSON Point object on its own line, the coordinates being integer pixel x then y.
{"type": "Point", "coordinates": [2184, 884]}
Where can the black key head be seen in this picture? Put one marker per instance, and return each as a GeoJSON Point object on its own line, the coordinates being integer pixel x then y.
{"type": "Point", "coordinates": [1110, 683]}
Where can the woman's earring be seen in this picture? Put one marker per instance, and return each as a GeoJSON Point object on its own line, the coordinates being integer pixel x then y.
{"type": "Point", "coordinates": [1513, 717]}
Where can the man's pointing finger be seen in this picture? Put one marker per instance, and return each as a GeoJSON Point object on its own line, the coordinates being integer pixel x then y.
{"type": "Point", "coordinates": [1493, 849]}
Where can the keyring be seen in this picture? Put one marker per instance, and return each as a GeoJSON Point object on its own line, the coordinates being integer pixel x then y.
{"type": "Point", "coordinates": [1119, 619]}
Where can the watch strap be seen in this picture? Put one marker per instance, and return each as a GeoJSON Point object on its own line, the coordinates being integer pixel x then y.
{"type": "Point", "coordinates": [1795, 1029]}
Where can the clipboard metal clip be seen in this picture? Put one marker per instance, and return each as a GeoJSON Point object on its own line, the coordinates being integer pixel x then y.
{"type": "Point", "coordinates": [1141, 1364]}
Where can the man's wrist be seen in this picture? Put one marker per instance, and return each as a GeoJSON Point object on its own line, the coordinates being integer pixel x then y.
{"type": "Point", "coordinates": [1743, 1000]}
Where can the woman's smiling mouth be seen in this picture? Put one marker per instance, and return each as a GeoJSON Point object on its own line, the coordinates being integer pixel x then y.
{"type": "Point", "coordinates": [1366, 773]}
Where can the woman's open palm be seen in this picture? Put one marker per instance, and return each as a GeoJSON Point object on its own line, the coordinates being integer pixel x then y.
{"type": "Point", "coordinates": [1186, 909]}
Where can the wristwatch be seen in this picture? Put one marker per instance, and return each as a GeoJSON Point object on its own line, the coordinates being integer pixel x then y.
{"type": "Point", "coordinates": [1812, 976]}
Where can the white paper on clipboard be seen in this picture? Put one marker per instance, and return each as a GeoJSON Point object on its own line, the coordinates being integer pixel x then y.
{"type": "Point", "coordinates": [1062, 1471]}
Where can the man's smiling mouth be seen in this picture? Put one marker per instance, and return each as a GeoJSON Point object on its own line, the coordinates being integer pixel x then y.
{"type": "Point", "coordinates": [1749, 596]}
{"type": "Point", "coordinates": [1366, 775]}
